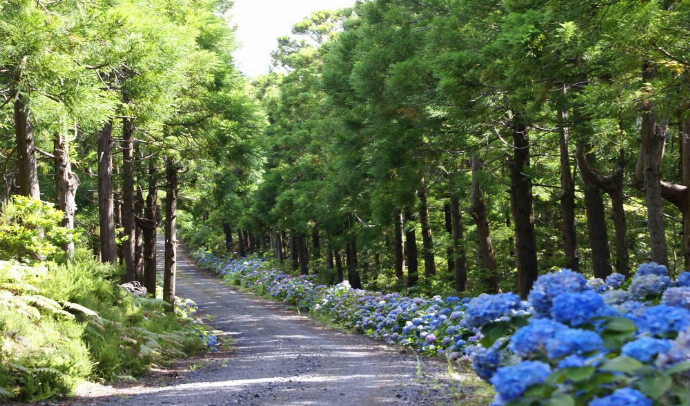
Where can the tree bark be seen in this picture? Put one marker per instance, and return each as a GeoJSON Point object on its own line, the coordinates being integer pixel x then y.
{"type": "Point", "coordinates": [459, 254]}
{"type": "Point", "coordinates": [427, 241]}
{"type": "Point", "coordinates": [523, 211]}
{"type": "Point", "coordinates": [139, 205]}
{"type": "Point", "coordinates": [486, 258]}
{"type": "Point", "coordinates": [66, 184]}
{"type": "Point", "coordinates": [399, 249]}
{"type": "Point", "coordinates": [329, 256]}
{"type": "Point", "coordinates": [352, 264]}
{"type": "Point", "coordinates": [448, 217]}
{"type": "Point", "coordinates": [653, 142]}
{"type": "Point", "coordinates": [684, 135]}
{"type": "Point", "coordinates": [596, 228]}
{"type": "Point", "coordinates": [150, 230]}
{"type": "Point", "coordinates": [339, 266]}
{"type": "Point", "coordinates": [567, 196]}
{"type": "Point", "coordinates": [127, 208]}
{"type": "Point", "coordinates": [240, 244]}
{"type": "Point", "coordinates": [170, 270]}
{"type": "Point", "coordinates": [26, 149]}
{"type": "Point", "coordinates": [294, 256]}
{"type": "Point", "coordinates": [279, 247]}
{"type": "Point", "coordinates": [106, 209]}
{"type": "Point", "coordinates": [303, 254]}
{"type": "Point", "coordinates": [613, 186]}
{"type": "Point", "coordinates": [316, 242]}
{"type": "Point", "coordinates": [411, 251]}
{"type": "Point", "coordinates": [227, 229]}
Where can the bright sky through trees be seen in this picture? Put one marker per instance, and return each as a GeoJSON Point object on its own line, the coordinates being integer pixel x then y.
{"type": "Point", "coordinates": [260, 22]}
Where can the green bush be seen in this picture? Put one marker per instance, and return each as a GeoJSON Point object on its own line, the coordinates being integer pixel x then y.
{"type": "Point", "coordinates": [30, 230]}
{"type": "Point", "coordinates": [63, 324]}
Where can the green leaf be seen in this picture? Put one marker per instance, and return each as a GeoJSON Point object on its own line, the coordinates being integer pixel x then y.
{"type": "Point", "coordinates": [578, 374]}
{"type": "Point", "coordinates": [655, 387]}
{"type": "Point", "coordinates": [560, 399]}
{"type": "Point", "coordinates": [679, 367]}
{"type": "Point", "coordinates": [620, 324]}
{"type": "Point", "coordinates": [494, 331]}
{"type": "Point", "coordinates": [622, 364]}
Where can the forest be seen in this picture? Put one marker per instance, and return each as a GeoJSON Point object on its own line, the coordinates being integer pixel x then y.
{"type": "Point", "coordinates": [527, 160]}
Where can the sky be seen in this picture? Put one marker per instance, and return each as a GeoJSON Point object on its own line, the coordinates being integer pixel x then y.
{"type": "Point", "coordinates": [260, 22]}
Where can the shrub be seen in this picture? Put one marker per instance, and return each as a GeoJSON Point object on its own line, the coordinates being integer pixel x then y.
{"type": "Point", "coordinates": [63, 324]}
{"type": "Point", "coordinates": [30, 230]}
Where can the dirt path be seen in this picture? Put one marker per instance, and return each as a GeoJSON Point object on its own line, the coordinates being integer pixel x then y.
{"type": "Point", "coordinates": [283, 358]}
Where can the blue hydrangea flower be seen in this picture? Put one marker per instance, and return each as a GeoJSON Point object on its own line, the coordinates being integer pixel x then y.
{"type": "Point", "coordinates": [576, 309]}
{"type": "Point", "coordinates": [485, 361]}
{"type": "Point", "coordinates": [645, 348]}
{"type": "Point", "coordinates": [617, 296]}
{"type": "Point", "coordinates": [614, 281]}
{"type": "Point", "coordinates": [550, 285]}
{"type": "Point", "coordinates": [679, 352]}
{"type": "Point", "coordinates": [511, 382]}
{"type": "Point", "coordinates": [651, 268]}
{"type": "Point", "coordinates": [624, 396]}
{"type": "Point", "coordinates": [573, 361]}
{"type": "Point", "coordinates": [649, 284]}
{"type": "Point", "coordinates": [683, 280]}
{"type": "Point", "coordinates": [663, 319]}
{"type": "Point", "coordinates": [533, 337]}
{"type": "Point", "coordinates": [487, 308]}
{"type": "Point", "coordinates": [679, 297]}
{"type": "Point", "coordinates": [597, 284]}
{"type": "Point", "coordinates": [573, 341]}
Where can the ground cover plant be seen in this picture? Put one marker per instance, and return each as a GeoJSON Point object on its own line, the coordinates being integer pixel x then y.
{"type": "Point", "coordinates": [572, 342]}
{"type": "Point", "coordinates": [62, 324]}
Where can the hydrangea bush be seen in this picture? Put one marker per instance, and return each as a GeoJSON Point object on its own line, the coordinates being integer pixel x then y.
{"type": "Point", "coordinates": [573, 342]}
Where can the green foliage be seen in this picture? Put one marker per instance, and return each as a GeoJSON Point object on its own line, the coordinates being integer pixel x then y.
{"type": "Point", "coordinates": [64, 324]}
{"type": "Point", "coordinates": [31, 230]}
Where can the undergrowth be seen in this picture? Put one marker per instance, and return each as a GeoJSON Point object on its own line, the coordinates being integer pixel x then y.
{"type": "Point", "coordinates": [62, 324]}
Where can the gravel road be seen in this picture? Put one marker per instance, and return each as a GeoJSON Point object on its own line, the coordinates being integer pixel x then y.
{"type": "Point", "coordinates": [284, 358]}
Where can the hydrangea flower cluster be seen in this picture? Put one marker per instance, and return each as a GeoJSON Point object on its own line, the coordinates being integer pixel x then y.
{"type": "Point", "coordinates": [568, 324]}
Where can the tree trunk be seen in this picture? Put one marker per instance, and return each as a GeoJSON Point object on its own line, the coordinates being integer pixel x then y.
{"type": "Point", "coordinates": [294, 257]}
{"type": "Point", "coordinates": [427, 241]}
{"type": "Point", "coordinates": [597, 232]}
{"type": "Point", "coordinates": [613, 186]}
{"type": "Point", "coordinates": [352, 264]}
{"type": "Point", "coordinates": [448, 217]}
{"type": "Point", "coordinates": [150, 230]}
{"type": "Point", "coordinates": [106, 208]}
{"type": "Point", "coordinates": [227, 229]}
{"type": "Point", "coordinates": [279, 247]}
{"type": "Point", "coordinates": [240, 244]}
{"type": "Point", "coordinates": [486, 258]}
{"type": "Point", "coordinates": [117, 201]}
{"type": "Point", "coordinates": [572, 261]}
{"type": "Point", "coordinates": [329, 256]}
{"type": "Point", "coordinates": [26, 149]}
{"type": "Point", "coordinates": [399, 249]}
{"type": "Point", "coordinates": [303, 254]}
{"type": "Point", "coordinates": [339, 267]}
{"type": "Point", "coordinates": [127, 208]}
{"type": "Point", "coordinates": [411, 251]}
{"type": "Point", "coordinates": [316, 243]}
{"type": "Point", "coordinates": [66, 184]}
{"type": "Point", "coordinates": [653, 142]}
{"type": "Point", "coordinates": [170, 270]}
{"type": "Point", "coordinates": [523, 211]}
{"type": "Point", "coordinates": [459, 254]}
{"type": "Point", "coordinates": [684, 135]}
{"type": "Point", "coordinates": [139, 205]}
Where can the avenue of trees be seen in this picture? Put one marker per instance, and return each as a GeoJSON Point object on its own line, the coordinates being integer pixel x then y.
{"type": "Point", "coordinates": [468, 143]}
{"type": "Point", "coordinates": [107, 105]}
